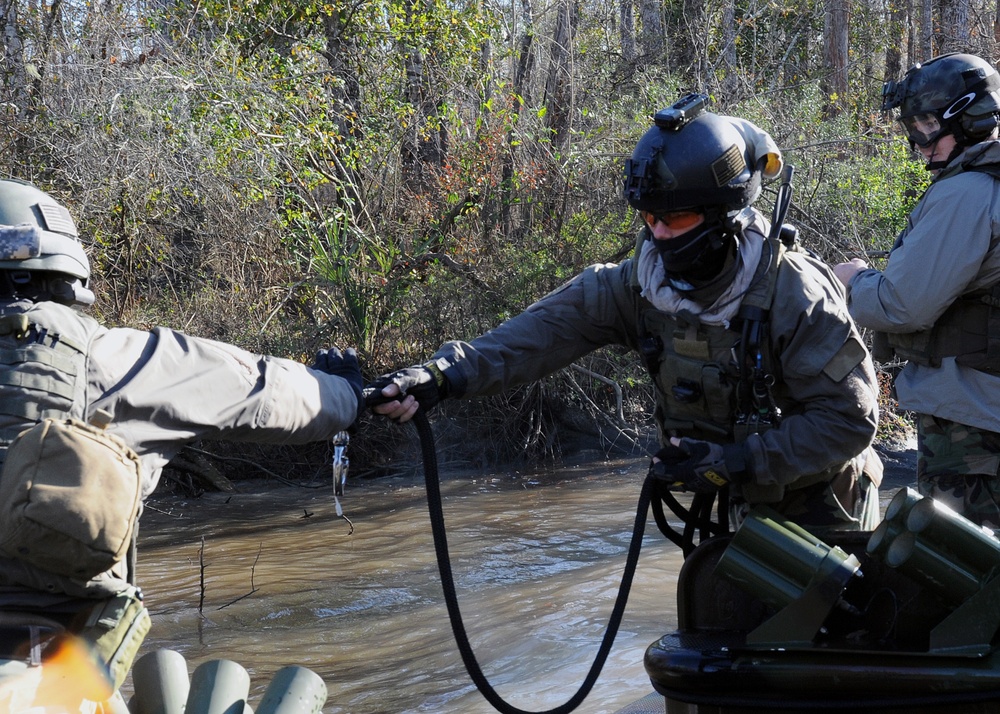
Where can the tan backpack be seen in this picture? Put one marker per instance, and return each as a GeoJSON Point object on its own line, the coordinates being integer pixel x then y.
{"type": "Point", "coordinates": [69, 497]}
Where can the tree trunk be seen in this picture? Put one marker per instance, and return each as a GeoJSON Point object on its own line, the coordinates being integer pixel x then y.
{"type": "Point", "coordinates": [424, 144]}
{"type": "Point", "coordinates": [690, 51]}
{"type": "Point", "coordinates": [926, 30]}
{"type": "Point", "coordinates": [16, 90]}
{"type": "Point", "coordinates": [652, 35]}
{"type": "Point", "coordinates": [730, 82]}
{"type": "Point", "coordinates": [954, 26]}
{"type": "Point", "coordinates": [897, 23]}
{"type": "Point", "coordinates": [626, 31]}
{"type": "Point", "coordinates": [559, 85]}
{"type": "Point", "coordinates": [836, 18]}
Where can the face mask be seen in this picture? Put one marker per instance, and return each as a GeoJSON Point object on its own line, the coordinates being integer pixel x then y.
{"type": "Point", "coordinates": [697, 258]}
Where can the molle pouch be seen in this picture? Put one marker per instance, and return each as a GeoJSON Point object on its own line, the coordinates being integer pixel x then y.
{"type": "Point", "coordinates": [695, 390]}
{"type": "Point", "coordinates": [69, 498]}
{"type": "Point", "coordinates": [115, 629]}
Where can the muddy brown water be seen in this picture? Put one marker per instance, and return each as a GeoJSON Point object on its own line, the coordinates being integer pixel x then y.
{"type": "Point", "coordinates": [273, 577]}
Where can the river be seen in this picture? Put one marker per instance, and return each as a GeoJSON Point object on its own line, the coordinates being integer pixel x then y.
{"type": "Point", "coordinates": [273, 576]}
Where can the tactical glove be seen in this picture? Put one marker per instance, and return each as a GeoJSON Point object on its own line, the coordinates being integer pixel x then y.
{"type": "Point", "coordinates": [699, 466]}
{"type": "Point", "coordinates": [424, 382]}
{"type": "Point", "coordinates": [344, 365]}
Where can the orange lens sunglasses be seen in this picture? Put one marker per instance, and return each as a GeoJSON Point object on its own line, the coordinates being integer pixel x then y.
{"type": "Point", "coordinates": [677, 221]}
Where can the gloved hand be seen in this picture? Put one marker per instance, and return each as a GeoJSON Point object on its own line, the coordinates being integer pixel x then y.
{"type": "Point", "coordinates": [423, 382]}
{"type": "Point", "coordinates": [698, 466]}
{"type": "Point", "coordinates": [344, 365]}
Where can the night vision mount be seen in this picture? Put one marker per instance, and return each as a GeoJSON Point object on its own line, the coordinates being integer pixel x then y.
{"type": "Point", "coordinates": [684, 110]}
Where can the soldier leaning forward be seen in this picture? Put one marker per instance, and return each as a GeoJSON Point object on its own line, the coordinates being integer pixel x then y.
{"type": "Point", "coordinates": [762, 380]}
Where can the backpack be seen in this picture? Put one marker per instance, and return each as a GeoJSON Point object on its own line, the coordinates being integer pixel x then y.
{"type": "Point", "coordinates": [70, 494]}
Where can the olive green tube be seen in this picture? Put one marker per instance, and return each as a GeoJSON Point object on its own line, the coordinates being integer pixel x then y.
{"type": "Point", "coordinates": [882, 537]}
{"type": "Point", "coordinates": [220, 686]}
{"type": "Point", "coordinates": [797, 553]}
{"type": "Point", "coordinates": [758, 578]}
{"type": "Point", "coordinates": [936, 570]}
{"type": "Point", "coordinates": [900, 505]}
{"type": "Point", "coordinates": [161, 684]}
{"type": "Point", "coordinates": [294, 690]}
{"type": "Point", "coordinates": [967, 542]}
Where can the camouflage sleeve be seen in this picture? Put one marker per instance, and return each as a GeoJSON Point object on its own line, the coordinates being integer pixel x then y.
{"type": "Point", "coordinates": [592, 310]}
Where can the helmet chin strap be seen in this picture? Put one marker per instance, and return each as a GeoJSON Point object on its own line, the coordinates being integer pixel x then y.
{"type": "Point", "coordinates": [961, 143]}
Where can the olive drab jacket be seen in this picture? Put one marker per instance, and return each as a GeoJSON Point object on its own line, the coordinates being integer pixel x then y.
{"type": "Point", "coordinates": [934, 294]}
{"type": "Point", "coordinates": [825, 385]}
{"type": "Point", "coordinates": [163, 389]}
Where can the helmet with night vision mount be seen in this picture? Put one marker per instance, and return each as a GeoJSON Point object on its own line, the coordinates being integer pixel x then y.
{"type": "Point", "coordinates": [953, 93]}
{"type": "Point", "coordinates": [692, 158]}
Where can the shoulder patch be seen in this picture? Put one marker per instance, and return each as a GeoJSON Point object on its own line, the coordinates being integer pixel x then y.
{"type": "Point", "coordinates": [847, 358]}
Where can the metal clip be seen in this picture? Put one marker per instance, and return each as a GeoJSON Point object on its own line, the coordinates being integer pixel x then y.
{"type": "Point", "coordinates": [340, 462]}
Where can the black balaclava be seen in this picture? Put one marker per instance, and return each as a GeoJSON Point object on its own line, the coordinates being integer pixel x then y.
{"type": "Point", "coordinates": [700, 264]}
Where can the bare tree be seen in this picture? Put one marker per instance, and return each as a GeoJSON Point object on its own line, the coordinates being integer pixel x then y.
{"type": "Point", "coordinates": [626, 31]}
{"type": "Point", "coordinates": [954, 33]}
{"type": "Point", "coordinates": [559, 84]}
{"type": "Point", "coordinates": [897, 23]}
{"type": "Point", "coordinates": [836, 19]}
{"type": "Point", "coordinates": [652, 35]}
{"type": "Point", "coordinates": [16, 90]}
{"type": "Point", "coordinates": [926, 30]}
{"type": "Point", "coordinates": [690, 49]}
{"type": "Point", "coordinates": [425, 140]}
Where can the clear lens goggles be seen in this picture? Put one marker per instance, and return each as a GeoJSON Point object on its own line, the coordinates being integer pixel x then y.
{"type": "Point", "coordinates": [922, 129]}
{"type": "Point", "coordinates": [676, 221]}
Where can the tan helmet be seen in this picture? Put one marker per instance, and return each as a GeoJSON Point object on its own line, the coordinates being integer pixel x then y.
{"type": "Point", "coordinates": [37, 234]}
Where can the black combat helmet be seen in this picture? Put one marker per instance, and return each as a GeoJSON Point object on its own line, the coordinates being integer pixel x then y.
{"type": "Point", "coordinates": [952, 93]}
{"type": "Point", "coordinates": [38, 237]}
{"type": "Point", "coordinates": [691, 159]}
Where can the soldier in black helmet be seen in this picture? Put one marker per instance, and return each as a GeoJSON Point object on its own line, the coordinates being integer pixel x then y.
{"type": "Point", "coordinates": [935, 303]}
{"type": "Point", "coordinates": [67, 536]}
{"type": "Point", "coordinates": [763, 384]}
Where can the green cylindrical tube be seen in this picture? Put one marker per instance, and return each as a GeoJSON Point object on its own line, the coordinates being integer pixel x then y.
{"type": "Point", "coordinates": [967, 542]}
{"type": "Point", "coordinates": [757, 578]}
{"type": "Point", "coordinates": [900, 505]}
{"type": "Point", "coordinates": [294, 690]}
{"type": "Point", "coordinates": [795, 552]}
{"type": "Point", "coordinates": [218, 687]}
{"type": "Point", "coordinates": [882, 537]}
{"type": "Point", "coordinates": [923, 562]}
{"type": "Point", "coordinates": [161, 684]}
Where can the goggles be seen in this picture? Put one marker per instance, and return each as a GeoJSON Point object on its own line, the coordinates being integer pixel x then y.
{"type": "Point", "coordinates": [922, 129]}
{"type": "Point", "coordinates": [678, 221]}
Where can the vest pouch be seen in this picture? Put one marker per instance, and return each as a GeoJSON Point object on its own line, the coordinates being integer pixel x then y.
{"type": "Point", "coordinates": [696, 391]}
{"type": "Point", "coordinates": [115, 629]}
{"type": "Point", "coordinates": [69, 498]}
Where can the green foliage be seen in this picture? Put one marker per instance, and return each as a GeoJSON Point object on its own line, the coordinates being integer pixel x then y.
{"type": "Point", "coordinates": [393, 174]}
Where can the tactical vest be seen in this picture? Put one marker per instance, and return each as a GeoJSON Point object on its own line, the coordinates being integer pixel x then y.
{"type": "Point", "coordinates": [701, 387]}
{"type": "Point", "coordinates": [714, 383]}
{"type": "Point", "coordinates": [43, 374]}
{"type": "Point", "coordinates": [968, 330]}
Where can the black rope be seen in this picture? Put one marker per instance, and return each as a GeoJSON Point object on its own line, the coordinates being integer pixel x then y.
{"type": "Point", "coordinates": [697, 518]}
{"type": "Point", "coordinates": [451, 600]}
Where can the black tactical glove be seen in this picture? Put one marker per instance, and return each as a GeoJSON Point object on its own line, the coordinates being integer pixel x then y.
{"type": "Point", "coordinates": [699, 466]}
{"type": "Point", "coordinates": [424, 382]}
{"type": "Point", "coordinates": [344, 365]}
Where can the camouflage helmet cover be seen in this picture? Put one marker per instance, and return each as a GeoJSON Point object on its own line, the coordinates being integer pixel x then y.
{"type": "Point", "coordinates": [955, 88]}
{"type": "Point", "coordinates": [37, 233]}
